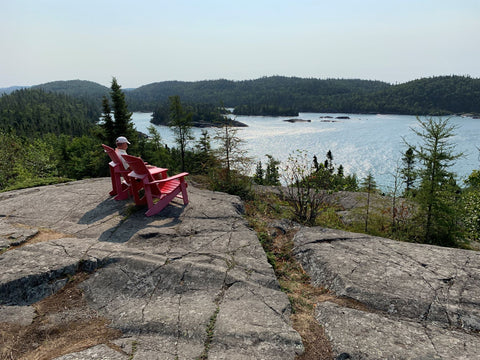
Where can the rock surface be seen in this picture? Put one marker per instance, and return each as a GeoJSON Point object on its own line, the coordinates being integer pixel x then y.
{"type": "Point", "coordinates": [410, 301]}
{"type": "Point", "coordinates": [192, 280]}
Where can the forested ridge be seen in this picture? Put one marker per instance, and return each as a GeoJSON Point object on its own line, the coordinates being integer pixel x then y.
{"type": "Point", "coordinates": [31, 112]}
{"type": "Point", "coordinates": [441, 95]}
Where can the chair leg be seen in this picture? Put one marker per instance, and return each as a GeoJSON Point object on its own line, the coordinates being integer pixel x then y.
{"type": "Point", "coordinates": [183, 186]}
{"type": "Point", "coordinates": [161, 204]}
{"type": "Point", "coordinates": [114, 185]}
{"type": "Point", "coordinates": [124, 192]}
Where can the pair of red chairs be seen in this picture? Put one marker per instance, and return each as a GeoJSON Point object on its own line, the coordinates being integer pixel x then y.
{"type": "Point", "coordinates": [147, 184]}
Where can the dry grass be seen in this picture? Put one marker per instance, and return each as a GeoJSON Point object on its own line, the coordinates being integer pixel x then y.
{"type": "Point", "coordinates": [63, 324]}
{"type": "Point", "coordinates": [292, 278]}
{"type": "Point", "coordinates": [41, 236]}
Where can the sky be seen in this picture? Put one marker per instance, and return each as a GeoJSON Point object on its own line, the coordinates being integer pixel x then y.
{"type": "Point", "coordinates": [145, 41]}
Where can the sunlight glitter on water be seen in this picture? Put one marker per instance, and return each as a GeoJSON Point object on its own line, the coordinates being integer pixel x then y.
{"type": "Point", "coordinates": [362, 144]}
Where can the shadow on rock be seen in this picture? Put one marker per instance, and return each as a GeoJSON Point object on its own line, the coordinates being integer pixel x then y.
{"type": "Point", "coordinates": [103, 210]}
{"type": "Point", "coordinates": [136, 221]}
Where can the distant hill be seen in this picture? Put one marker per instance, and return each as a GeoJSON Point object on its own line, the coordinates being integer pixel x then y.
{"type": "Point", "coordinates": [9, 90]}
{"type": "Point", "coordinates": [88, 91]}
{"type": "Point", "coordinates": [76, 88]}
{"type": "Point", "coordinates": [440, 95]}
{"type": "Point", "coordinates": [282, 92]}
{"type": "Point", "coordinates": [29, 112]}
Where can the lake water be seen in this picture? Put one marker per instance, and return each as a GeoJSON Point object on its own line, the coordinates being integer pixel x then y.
{"type": "Point", "coordinates": [362, 144]}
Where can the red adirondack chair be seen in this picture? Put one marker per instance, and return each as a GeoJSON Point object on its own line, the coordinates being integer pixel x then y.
{"type": "Point", "coordinates": [165, 190]}
{"type": "Point", "coordinates": [118, 175]}
{"type": "Point", "coordinates": [121, 186]}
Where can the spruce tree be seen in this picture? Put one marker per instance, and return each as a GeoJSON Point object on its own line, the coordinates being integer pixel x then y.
{"type": "Point", "coordinates": [370, 186]}
{"type": "Point", "coordinates": [123, 118]}
{"type": "Point", "coordinates": [272, 175]}
{"type": "Point", "coordinates": [408, 173]}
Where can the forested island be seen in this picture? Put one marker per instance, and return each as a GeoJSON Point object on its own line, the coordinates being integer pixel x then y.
{"type": "Point", "coordinates": [202, 115]}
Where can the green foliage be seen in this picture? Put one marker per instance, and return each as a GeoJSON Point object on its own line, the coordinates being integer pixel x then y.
{"type": "Point", "coordinates": [83, 157]}
{"type": "Point", "coordinates": [271, 175]}
{"type": "Point", "coordinates": [428, 96]}
{"type": "Point", "coordinates": [49, 159]}
{"type": "Point", "coordinates": [283, 92]}
{"type": "Point", "coordinates": [369, 186]}
{"type": "Point", "coordinates": [181, 124]}
{"type": "Point", "coordinates": [108, 123]}
{"type": "Point", "coordinates": [203, 159]}
{"type": "Point", "coordinates": [259, 174]}
{"type": "Point", "coordinates": [230, 151]}
{"type": "Point", "coordinates": [123, 117]}
{"type": "Point", "coordinates": [474, 179]}
{"type": "Point", "coordinates": [231, 182]}
{"type": "Point", "coordinates": [326, 178]}
{"type": "Point", "coordinates": [408, 172]}
{"type": "Point", "coordinates": [202, 115]}
{"type": "Point", "coordinates": [330, 219]}
{"type": "Point", "coordinates": [264, 110]}
{"type": "Point", "coordinates": [33, 112]}
{"type": "Point", "coordinates": [87, 91]}
{"type": "Point", "coordinates": [437, 194]}
{"type": "Point", "coordinates": [302, 191]}
{"type": "Point", "coordinates": [10, 154]}
{"type": "Point", "coordinates": [471, 211]}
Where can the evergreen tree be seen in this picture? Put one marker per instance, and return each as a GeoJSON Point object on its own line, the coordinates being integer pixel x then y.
{"type": "Point", "coordinates": [408, 173]}
{"type": "Point", "coordinates": [329, 162]}
{"type": "Point", "coordinates": [316, 166]}
{"type": "Point", "coordinates": [204, 155]}
{"type": "Point", "coordinates": [369, 185]}
{"type": "Point", "coordinates": [234, 164]}
{"type": "Point", "coordinates": [231, 153]}
{"type": "Point", "coordinates": [258, 178]}
{"type": "Point", "coordinates": [272, 175]}
{"type": "Point", "coordinates": [123, 118]}
{"type": "Point", "coordinates": [437, 192]}
{"type": "Point", "coordinates": [181, 124]}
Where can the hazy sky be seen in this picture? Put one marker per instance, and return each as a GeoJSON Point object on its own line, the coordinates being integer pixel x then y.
{"type": "Point", "coordinates": [145, 41]}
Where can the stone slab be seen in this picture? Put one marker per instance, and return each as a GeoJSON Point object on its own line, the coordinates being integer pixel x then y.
{"type": "Point", "coordinates": [421, 282]}
{"type": "Point", "coordinates": [369, 336]}
{"type": "Point", "coordinates": [191, 279]}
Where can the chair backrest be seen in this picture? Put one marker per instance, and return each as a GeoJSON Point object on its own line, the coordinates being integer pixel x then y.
{"type": "Point", "coordinates": [113, 156]}
{"type": "Point", "coordinates": [137, 165]}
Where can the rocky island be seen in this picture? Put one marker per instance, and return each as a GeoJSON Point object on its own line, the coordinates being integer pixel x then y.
{"type": "Point", "coordinates": [297, 121]}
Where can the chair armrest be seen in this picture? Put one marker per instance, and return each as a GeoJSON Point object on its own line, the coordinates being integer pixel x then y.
{"type": "Point", "coordinates": [178, 176]}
